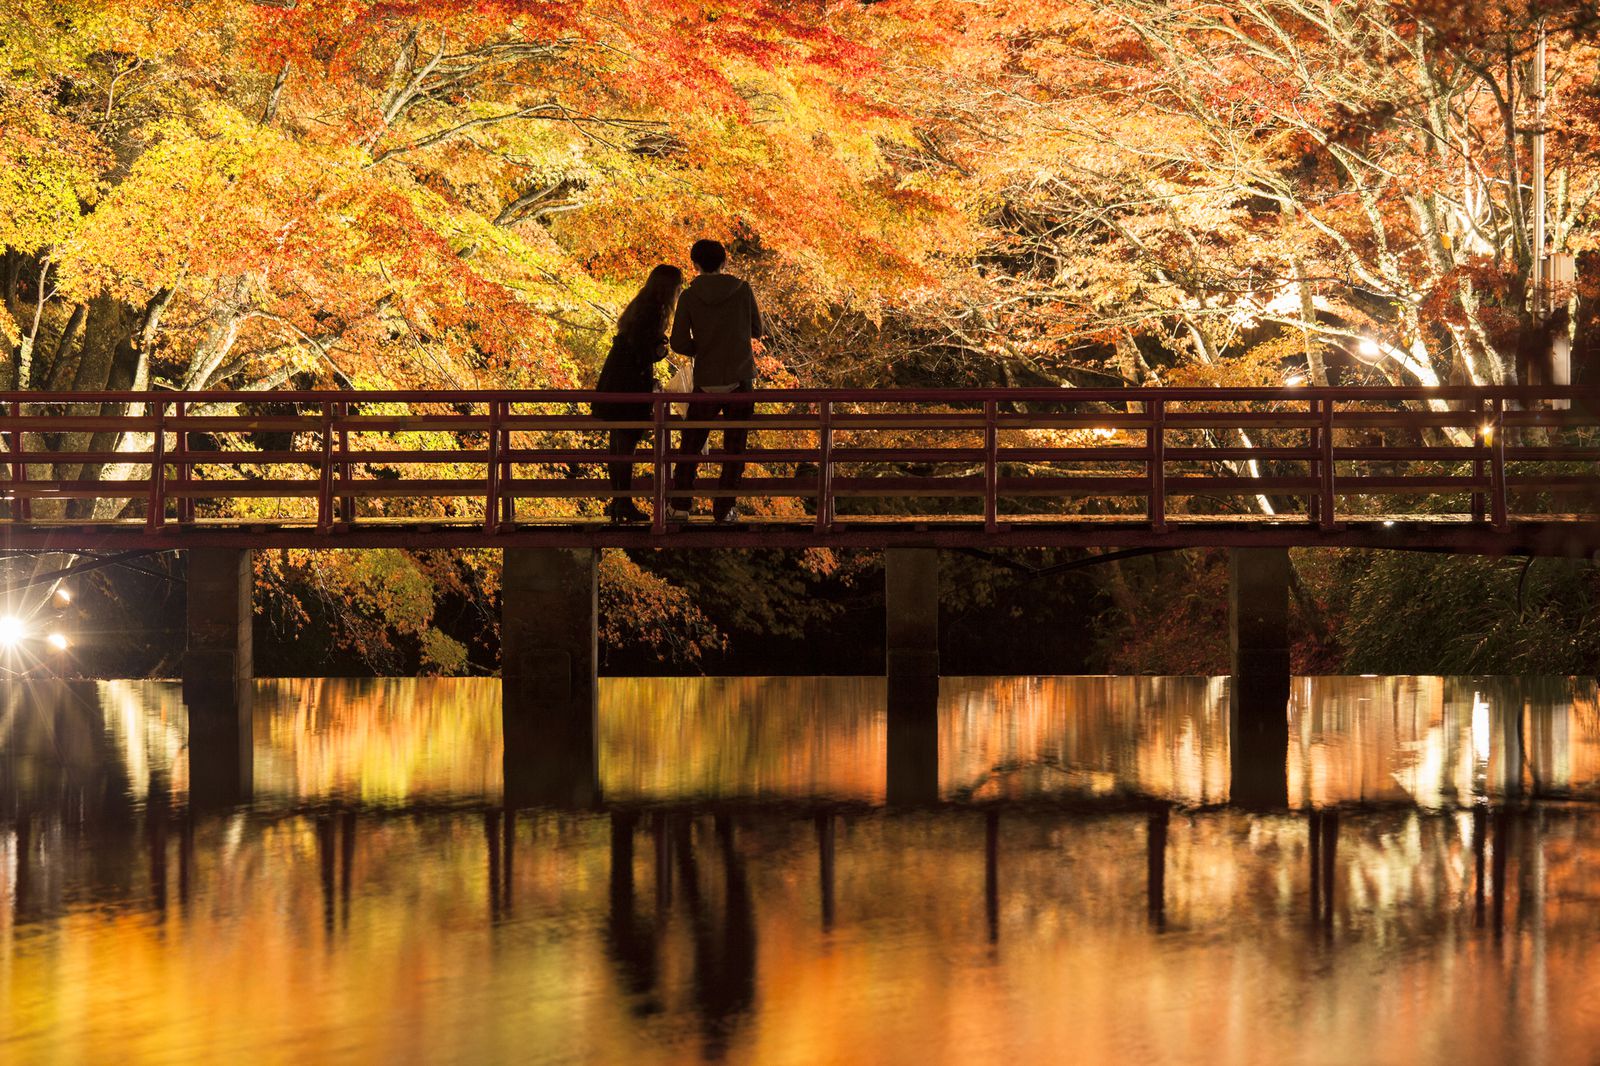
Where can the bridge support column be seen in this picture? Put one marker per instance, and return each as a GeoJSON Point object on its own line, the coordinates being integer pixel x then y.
{"type": "Point", "coordinates": [549, 649]}
{"type": "Point", "coordinates": [218, 675]}
{"type": "Point", "coordinates": [217, 660]}
{"type": "Point", "coordinates": [1258, 620]}
{"type": "Point", "coordinates": [1258, 724]}
{"type": "Point", "coordinates": [911, 641]}
{"type": "Point", "coordinates": [911, 614]}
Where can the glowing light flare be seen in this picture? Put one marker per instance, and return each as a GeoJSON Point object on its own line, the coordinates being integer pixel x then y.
{"type": "Point", "coordinates": [1369, 350]}
{"type": "Point", "coordinates": [58, 641]}
{"type": "Point", "coordinates": [1294, 381]}
{"type": "Point", "coordinates": [12, 631]}
{"type": "Point", "coordinates": [63, 595]}
{"type": "Point", "coordinates": [1487, 432]}
{"type": "Point", "coordinates": [1103, 433]}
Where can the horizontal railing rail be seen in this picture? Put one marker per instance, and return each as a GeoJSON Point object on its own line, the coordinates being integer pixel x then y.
{"type": "Point", "coordinates": [334, 460]}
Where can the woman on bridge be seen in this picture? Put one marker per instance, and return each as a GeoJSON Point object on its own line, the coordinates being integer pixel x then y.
{"type": "Point", "coordinates": [640, 343]}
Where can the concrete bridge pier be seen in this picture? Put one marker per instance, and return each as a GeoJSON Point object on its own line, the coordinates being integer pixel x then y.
{"type": "Point", "coordinates": [1258, 720]}
{"type": "Point", "coordinates": [549, 650]}
{"type": "Point", "coordinates": [911, 614]}
{"type": "Point", "coordinates": [1258, 626]}
{"type": "Point", "coordinates": [911, 642]}
{"type": "Point", "coordinates": [218, 675]}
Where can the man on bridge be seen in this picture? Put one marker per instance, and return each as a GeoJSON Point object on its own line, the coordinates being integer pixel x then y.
{"type": "Point", "coordinates": [716, 322]}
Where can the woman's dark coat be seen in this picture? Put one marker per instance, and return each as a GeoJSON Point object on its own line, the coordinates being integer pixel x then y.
{"type": "Point", "coordinates": [639, 344]}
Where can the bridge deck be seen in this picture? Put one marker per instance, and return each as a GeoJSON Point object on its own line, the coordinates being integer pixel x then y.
{"type": "Point", "coordinates": [1571, 535]}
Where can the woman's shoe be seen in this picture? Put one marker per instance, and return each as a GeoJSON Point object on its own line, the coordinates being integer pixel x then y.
{"type": "Point", "coordinates": [624, 511]}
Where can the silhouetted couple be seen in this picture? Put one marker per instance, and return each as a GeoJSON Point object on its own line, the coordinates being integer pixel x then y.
{"type": "Point", "coordinates": [716, 321]}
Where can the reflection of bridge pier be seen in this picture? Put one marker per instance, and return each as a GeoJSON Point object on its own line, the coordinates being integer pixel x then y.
{"type": "Point", "coordinates": [1323, 838]}
{"type": "Point", "coordinates": [1258, 747]}
{"type": "Point", "coordinates": [1155, 883]}
{"type": "Point", "coordinates": [825, 878]}
{"type": "Point", "coordinates": [991, 872]}
{"type": "Point", "coordinates": [913, 741]}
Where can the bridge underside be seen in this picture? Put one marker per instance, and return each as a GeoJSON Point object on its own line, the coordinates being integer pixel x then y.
{"type": "Point", "coordinates": [1573, 536]}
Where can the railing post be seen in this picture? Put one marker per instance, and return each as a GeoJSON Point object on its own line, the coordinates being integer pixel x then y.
{"type": "Point", "coordinates": [1326, 516]}
{"type": "Point", "coordinates": [1497, 464]}
{"type": "Point", "coordinates": [824, 465]}
{"type": "Point", "coordinates": [156, 509]}
{"type": "Point", "coordinates": [1314, 435]}
{"type": "Point", "coordinates": [508, 501]}
{"type": "Point", "coordinates": [347, 503]}
{"type": "Point", "coordinates": [658, 521]}
{"type": "Point", "coordinates": [991, 466]}
{"type": "Point", "coordinates": [325, 483]}
{"type": "Point", "coordinates": [491, 498]}
{"type": "Point", "coordinates": [181, 467]}
{"type": "Point", "coordinates": [1478, 507]}
{"type": "Point", "coordinates": [1156, 442]}
{"type": "Point", "coordinates": [19, 468]}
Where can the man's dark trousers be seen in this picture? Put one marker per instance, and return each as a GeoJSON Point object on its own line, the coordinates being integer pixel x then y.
{"type": "Point", "coordinates": [729, 406]}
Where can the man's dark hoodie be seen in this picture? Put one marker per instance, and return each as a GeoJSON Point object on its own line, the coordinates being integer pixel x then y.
{"type": "Point", "coordinates": [717, 318]}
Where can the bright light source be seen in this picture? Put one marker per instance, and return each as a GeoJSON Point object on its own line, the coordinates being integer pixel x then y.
{"type": "Point", "coordinates": [12, 631]}
{"type": "Point", "coordinates": [1369, 350]}
{"type": "Point", "coordinates": [58, 641]}
{"type": "Point", "coordinates": [1105, 434]}
{"type": "Point", "coordinates": [63, 595]}
{"type": "Point", "coordinates": [1295, 380]}
{"type": "Point", "coordinates": [1487, 429]}
{"type": "Point", "coordinates": [1387, 522]}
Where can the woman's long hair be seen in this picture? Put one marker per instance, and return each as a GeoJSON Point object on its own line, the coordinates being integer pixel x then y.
{"type": "Point", "coordinates": [648, 311]}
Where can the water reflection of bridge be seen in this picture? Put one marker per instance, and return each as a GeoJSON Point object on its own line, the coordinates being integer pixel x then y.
{"type": "Point", "coordinates": [689, 893]}
{"type": "Point", "coordinates": [728, 814]}
{"type": "Point", "coordinates": [683, 758]}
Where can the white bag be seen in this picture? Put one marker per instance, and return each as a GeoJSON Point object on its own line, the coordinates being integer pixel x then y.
{"type": "Point", "coordinates": [682, 380]}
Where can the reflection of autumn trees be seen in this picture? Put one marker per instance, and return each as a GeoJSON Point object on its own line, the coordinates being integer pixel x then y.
{"type": "Point", "coordinates": [664, 738]}
{"type": "Point", "coordinates": [1008, 738]}
{"type": "Point", "coordinates": [378, 741]}
{"type": "Point", "coordinates": [1436, 742]}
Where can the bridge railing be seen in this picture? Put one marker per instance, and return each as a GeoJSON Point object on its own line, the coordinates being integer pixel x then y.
{"type": "Point", "coordinates": [991, 456]}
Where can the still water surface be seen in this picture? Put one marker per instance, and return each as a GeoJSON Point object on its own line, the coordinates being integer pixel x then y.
{"type": "Point", "coordinates": [747, 888]}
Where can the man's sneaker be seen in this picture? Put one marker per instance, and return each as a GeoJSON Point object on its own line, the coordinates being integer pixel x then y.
{"type": "Point", "coordinates": [728, 517]}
